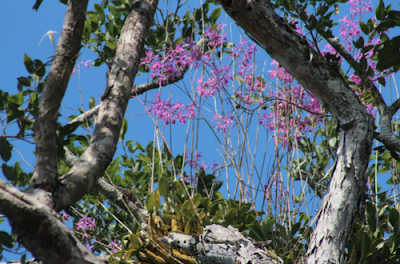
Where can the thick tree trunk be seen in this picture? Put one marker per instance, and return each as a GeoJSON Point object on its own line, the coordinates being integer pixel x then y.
{"type": "Point", "coordinates": [339, 206]}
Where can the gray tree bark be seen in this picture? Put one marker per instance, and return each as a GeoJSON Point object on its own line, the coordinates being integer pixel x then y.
{"type": "Point", "coordinates": [32, 214]}
{"type": "Point", "coordinates": [337, 212]}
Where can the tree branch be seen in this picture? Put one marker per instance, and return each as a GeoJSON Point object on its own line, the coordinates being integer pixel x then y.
{"type": "Point", "coordinates": [39, 229]}
{"type": "Point", "coordinates": [56, 83]}
{"type": "Point", "coordinates": [259, 20]}
{"type": "Point", "coordinates": [139, 89]}
{"type": "Point", "coordinates": [386, 135]}
{"type": "Point", "coordinates": [93, 162]}
{"type": "Point", "coordinates": [124, 198]}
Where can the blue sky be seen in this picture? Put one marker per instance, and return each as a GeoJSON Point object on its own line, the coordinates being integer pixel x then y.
{"type": "Point", "coordinates": [21, 35]}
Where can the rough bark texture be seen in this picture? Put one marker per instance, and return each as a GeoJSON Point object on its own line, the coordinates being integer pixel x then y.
{"type": "Point", "coordinates": [67, 52]}
{"type": "Point", "coordinates": [39, 229]}
{"type": "Point", "coordinates": [124, 198]}
{"type": "Point", "coordinates": [339, 206]}
{"type": "Point", "coordinates": [92, 164]}
{"type": "Point", "coordinates": [221, 245]}
{"type": "Point", "coordinates": [31, 214]}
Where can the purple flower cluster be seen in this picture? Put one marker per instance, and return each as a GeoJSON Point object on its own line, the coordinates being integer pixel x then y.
{"type": "Point", "coordinates": [283, 115]}
{"type": "Point", "coordinates": [173, 62]}
{"type": "Point", "coordinates": [86, 223]}
{"type": "Point", "coordinates": [170, 112]}
{"type": "Point", "coordinates": [223, 122]}
{"type": "Point", "coordinates": [219, 78]}
{"type": "Point", "coordinates": [214, 36]}
{"type": "Point", "coordinates": [184, 54]}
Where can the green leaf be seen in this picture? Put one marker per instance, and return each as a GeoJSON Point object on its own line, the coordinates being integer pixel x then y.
{"type": "Point", "coordinates": [40, 70]}
{"type": "Point", "coordinates": [134, 241]}
{"type": "Point", "coordinates": [231, 215]}
{"type": "Point", "coordinates": [256, 232]}
{"type": "Point", "coordinates": [332, 142]}
{"type": "Point", "coordinates": [364, 28]}
{"type": "Point", "coordinates": [97, 62]}
{"type": "Point", "coordinates": [23, 259]}
{"type": "Point", "coordinates": [157, 198]}
{"type": "Point", "coordinates": [24, 81]}
{"type": "Point", "coordinates": [114, 167]}
{"type": "Point", "coordinates": [111, 43]}
{"type": "Point", "coordinates": [186, 213]}
{"type": "Point", "coordinates": [380, 10]}
{"type": "Point", "coordinates": [337, 9]}
{"type": "Point", "coordinates": [17, 99]}
{"type": "Point", "coordinates": [384, 37]}
{"type": "Point", "coordinates": [395, 155]}
{"type": "Point", "coordinates": [172, 216]}
{"type": "Point", "coordinates": [6, 239]}
{"type": "Point", "coordinates": [394, 219]}
{"type": "Point", "coordinates": [8, 172]}
{"type": "Point", "coordinates": [382, 81]}
{"type": "Point", "coordinates": [359, 43]}
{"type": "Point", "coordinates": [215, 15]}
{"type": "Point", "coordinates": [124, 129]}
{"type": "Point", "coordinates": [100, 13]}
{"type": "Point", "coordinates": [188, 205]}
{"type": "Point", "coordinates": [371, 216]}
{"type": "Point", "coordinates": [363, 64]}
{"type": "Point", "coordinates": [92, 102]}
{"type": "Point", "coordinates": [150, 202]}
{"type": "Point", "coordinates": [104, 4]}
{"type": "Point", "coordinates": [29, 64]}
{"type": "Point", "coordinates": [197, 199]}
{"type": "Point", "coordinates": [5, 149]}
{"type": "Point", "coordinates": [188, 227]}
{"type": "Point", "coordinates": [176, 210]}
{"type": "Point", "coordinates": [37, 4]}
{"type": "Point", "coordinates": [163, 186]}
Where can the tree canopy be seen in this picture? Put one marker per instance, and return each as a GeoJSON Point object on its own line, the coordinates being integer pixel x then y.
{"type": "Point", "coordinates": [303, 145]}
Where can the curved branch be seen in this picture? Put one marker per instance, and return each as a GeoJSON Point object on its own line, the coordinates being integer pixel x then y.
{"type": "Point", "coordinates": [339, 206]}
{"type": "Point", "coordinates": [93, 162]}
{"type": "Point", "coordinates": [386, 135]}
{"type": "Point", "coordinates": [39, 229]}
{"type": "Point", "coordinates": [56, 83]}
{"type": "Point", "coordinates": [124, 198]}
